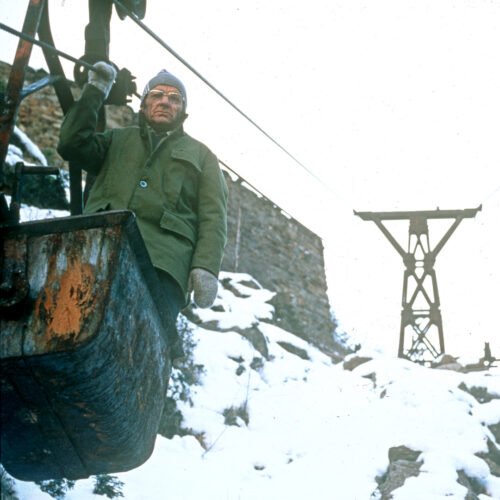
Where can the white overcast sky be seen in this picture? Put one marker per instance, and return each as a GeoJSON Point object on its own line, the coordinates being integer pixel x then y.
{"type": "Point", "coordinates": [392, 104]}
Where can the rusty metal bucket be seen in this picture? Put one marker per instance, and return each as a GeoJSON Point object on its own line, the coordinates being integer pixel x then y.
{"type": "Point", "coordinates": [83, 358]}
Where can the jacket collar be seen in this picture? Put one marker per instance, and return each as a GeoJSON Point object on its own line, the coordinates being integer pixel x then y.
{"type": "Point", "coordinates": [146, 129]}
{"type": "Point", "coordinates": [152, 138]}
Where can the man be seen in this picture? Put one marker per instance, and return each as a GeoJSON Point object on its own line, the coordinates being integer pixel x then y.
{"type": "Point", "coordinates": [171, 182]}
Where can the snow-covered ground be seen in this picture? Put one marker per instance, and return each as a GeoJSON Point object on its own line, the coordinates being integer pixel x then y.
{"type": "Point", "coordinates": [315, 430]}
{"type": "Point", "coordinates": [302, 426]}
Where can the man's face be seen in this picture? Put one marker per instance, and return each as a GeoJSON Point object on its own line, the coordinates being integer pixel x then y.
{"type": "Point", "coordinates": [162, 107]}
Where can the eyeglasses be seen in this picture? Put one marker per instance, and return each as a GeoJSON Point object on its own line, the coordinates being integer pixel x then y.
{"type": "Point", "coordinates": [173, 97]}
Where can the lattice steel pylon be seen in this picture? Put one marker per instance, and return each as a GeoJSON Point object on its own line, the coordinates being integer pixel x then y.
{"type": "Point", "coordinates": [421, 322]}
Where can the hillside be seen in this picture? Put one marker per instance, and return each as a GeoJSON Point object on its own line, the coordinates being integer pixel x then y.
{"type": "Point", "coordinates": [294, 425]}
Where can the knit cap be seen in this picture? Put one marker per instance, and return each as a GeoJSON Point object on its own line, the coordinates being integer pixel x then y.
{"type": "Point", "coordinates": [165, 78]}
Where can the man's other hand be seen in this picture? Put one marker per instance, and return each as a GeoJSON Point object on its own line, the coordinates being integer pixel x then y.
{"type": "Point", "coordinates": [103, 78]}
{"type": "Point", "coordinates": [204, 285]}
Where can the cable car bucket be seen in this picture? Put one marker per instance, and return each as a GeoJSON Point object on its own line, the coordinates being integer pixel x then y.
{"type": "Point", "coordinates": [84, 361]}
{"type": "Point", "coordinates": [84, 353]}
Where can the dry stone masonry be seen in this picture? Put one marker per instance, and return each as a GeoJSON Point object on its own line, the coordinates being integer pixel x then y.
{"type": "Point", "coordinates": [285, 257]}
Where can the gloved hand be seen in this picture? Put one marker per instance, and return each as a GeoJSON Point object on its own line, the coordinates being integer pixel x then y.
{"type": "Point", "coordinates": [204, 285]}
{"type": "Point", "coordinates": [104, 79]}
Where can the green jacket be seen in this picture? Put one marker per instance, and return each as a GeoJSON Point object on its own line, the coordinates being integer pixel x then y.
{"type": "Point", "coordinates": [177, 191]}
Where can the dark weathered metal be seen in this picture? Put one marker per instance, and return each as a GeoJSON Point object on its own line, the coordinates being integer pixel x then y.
{"type": "Point", "coordinates": [425, 214]}
{"type": "Point", "coordinates": [14, 285]}
{"type": "Point", "coordinates": [13, 214]}
{"type": "Point", "coordinates": [47, 47]}
{"type": "Point", "coordinates": [13, 92]}
{"type": "Point", "coordinates": [138, 7]}
{"type": "Point", "coordinates": [97, 48]}
{"type": "Point", "coordinates": [84, 362]}
{"type": "Point", "coordinates": [50, 52]}
{"type": "Point", "coordinates": [37, 20]}
{"type": "Point", "coordinates": [61, 85]}
{"type": "Point", "coordinates": [420, 315]}
{"type": "Point", "coordinates": [84, 348]}
{"type": "Point", "coordinates": [97, 37]}
{"type": "Point", "coordinates": [65, 97]}
{"type": "Point", "coordinates": [4, 207]}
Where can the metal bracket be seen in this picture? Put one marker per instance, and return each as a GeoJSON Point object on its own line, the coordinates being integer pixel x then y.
{"type": "Point", "coordinates": [15, 204]}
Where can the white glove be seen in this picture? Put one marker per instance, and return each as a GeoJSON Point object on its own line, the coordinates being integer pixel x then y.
{"type": "Point", "coordinates": [204, 285]}
{"type": "Point", "coordinates": [104, 79]}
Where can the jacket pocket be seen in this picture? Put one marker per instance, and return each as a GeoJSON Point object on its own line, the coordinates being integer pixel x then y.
{"type": "Point", "coordinates": [187, 157]}
{"type": "Point", "coordinates": [182, 179]}
{"type": "Point", "coordinates": [175, 224]}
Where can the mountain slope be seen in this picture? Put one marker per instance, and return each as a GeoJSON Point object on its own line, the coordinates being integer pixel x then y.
{"type": "Point", "coordinates": [294, 425]}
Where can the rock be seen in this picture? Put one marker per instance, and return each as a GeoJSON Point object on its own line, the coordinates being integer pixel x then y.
{"type": "Point", "coordinates": [447, 362]}
{"type": "Point", "coordinates": [301, 353]}
{"type": "Point", "coordinates": [495, 430]}
{"type": "Point", "coordinates": [457, 367]}
{"type": "Point", "coordinates": [481, 394]}
{"type": "Point", "coordinates": [354, 362]}
{"type": "Point", "coordinates": [256, 338]}
{"type": "Point", "coordinates": [403, 453]}
{"type": "Point", "coordinates": [402, 465]}
{"type": "Point", "coordinates": [445, 359]}
{"type": "Point", "coordinates": [493, 466]}
{"type": "Point", "coordinates": [226, 283]}
{"type": "Point", "coordinates": [474, 487]}
{"type": "Point", "coordinates": [257, 364]}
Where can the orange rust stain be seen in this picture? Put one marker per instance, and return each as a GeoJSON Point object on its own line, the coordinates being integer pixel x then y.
{"type": "Point", "coordinates": [67, 301]}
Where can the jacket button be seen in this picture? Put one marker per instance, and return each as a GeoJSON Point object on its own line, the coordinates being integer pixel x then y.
{"type": "Point", "coordinates": [143, 184]}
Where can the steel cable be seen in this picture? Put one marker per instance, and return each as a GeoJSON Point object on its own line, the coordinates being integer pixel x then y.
{"type": "Point", "coordinates": [143, 26]}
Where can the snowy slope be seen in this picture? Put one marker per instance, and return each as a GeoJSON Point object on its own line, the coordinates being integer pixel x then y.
{"type": "Point", "coordinates": [303, 427]}
{"type": "Point", "coordinates": [315, 430]}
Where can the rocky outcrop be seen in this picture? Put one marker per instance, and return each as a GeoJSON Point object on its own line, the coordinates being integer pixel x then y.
{"type": "Point", "coordinates": [403, 463]}
{"type": "Point", "coordinates": [286, 257]}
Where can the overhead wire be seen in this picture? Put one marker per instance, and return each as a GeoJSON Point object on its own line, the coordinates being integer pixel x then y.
{"type": "Point", "coordinates": [51, 48]}
{"type": "Point", "coordinates": [144, 27]}
{"type": "Point", "coordinates": [490, 195]}
{"type": "Point", "coordinates": [48, 46]}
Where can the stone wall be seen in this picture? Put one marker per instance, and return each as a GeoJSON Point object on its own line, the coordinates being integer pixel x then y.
{"type": "Point", "coordinates": [285, 257]}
